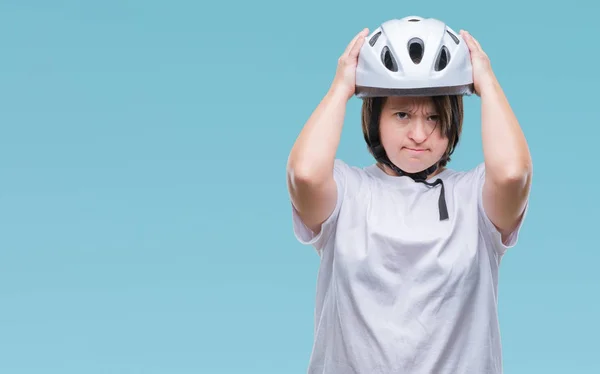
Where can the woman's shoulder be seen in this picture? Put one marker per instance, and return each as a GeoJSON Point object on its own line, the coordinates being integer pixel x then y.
{"type": "Point", "coordinates": [468, 175]}
{"type": "Point", "coordinates": [352, 177]}
{"type": "Point", "coordinates": [464, 182]}
{"type": "Point", "coordinates": [348, 170]}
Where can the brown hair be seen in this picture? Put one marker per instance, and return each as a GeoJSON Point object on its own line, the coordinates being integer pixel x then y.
{"type": "Point", "coordinates": [449, 108]}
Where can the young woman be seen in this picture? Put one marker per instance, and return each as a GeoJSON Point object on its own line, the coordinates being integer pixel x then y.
{"type": "Point", "coordinates": [409, 248]}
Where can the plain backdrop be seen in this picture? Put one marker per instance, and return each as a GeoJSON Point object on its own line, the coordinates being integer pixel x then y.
{"type": "Point", "coordinates": [145, 225]}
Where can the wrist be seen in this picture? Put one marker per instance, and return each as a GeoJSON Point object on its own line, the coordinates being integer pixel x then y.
{"type": "Point", "coordinates": [340, 93]}
{"type": "Point", "coordinates": [488, 84]}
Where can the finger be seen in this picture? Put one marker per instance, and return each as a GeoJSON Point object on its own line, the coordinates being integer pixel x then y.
{"type": "Point", "coordinates": [357, 45]}
{"type": "Point", "coordinates": [470, 42]}
{"type": "Point", "coordinates": [351, 44]}
{"type": "Point", "coordinates": [476, 42]}
{"type": "Point", "coordinates": [478, 45]}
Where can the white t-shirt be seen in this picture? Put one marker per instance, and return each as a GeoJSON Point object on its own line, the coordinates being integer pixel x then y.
{"type": "Point", "coordinates": [398, 290]}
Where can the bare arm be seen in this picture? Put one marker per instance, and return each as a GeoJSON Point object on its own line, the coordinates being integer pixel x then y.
{"type": "Point", "coordinates": [508, 163]}
{"type": "Point", "coordinates": [507, 158]}
{"type": "Point", "coordinates": [310, 164]}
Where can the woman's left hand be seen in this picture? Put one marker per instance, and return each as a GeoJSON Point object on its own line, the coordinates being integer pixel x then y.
{"type": "Point", "coordinates": [483, 75]}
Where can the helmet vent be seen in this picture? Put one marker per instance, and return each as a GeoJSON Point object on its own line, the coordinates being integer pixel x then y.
{"type": "Point", "coordinates": [374, 38]}
{"type": "Point", "coordinates": [453, 36]}
{"type": "Point", "coordinates": [416, 49]}
{"type": "Point", "coordinates": [413, 20]}
{"type": "Point", "coordinates": [388, 59]}
{"type": "Point", "coordinates": [442, 59]}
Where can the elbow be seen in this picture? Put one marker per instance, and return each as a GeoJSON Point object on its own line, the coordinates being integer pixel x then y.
{"type": "Point", "coordinates": [303, 175]}
{"type": "Point", "coordinates": [296, 177]}
{"type": "Point", "coordinates": [516, 174]}
{"type": "Point", "coordinates": [513, 166]}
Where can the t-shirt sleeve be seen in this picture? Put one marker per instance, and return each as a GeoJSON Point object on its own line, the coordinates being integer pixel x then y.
{"type": "Point", "coordinates": [489, 230]}
{"type": "Point", "coordinates": [304, 234]}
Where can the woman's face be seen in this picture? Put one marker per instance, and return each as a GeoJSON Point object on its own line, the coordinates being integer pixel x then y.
{"type": "Point", "coordinates": [411, 133]}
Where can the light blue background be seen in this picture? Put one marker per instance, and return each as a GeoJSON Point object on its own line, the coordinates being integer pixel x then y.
{"type": "Point", "coordinates": [145, 225]}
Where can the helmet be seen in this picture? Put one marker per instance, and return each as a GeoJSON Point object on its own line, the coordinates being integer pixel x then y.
{"type": "Point", "coordinates": [414, 56]}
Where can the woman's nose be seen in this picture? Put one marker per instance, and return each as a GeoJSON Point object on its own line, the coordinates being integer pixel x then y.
{"type": "Point", "coordinates": [418, 131]}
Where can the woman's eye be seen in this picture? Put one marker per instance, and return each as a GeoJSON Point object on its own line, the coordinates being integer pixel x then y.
{"type": "Point", "coordinates": [434, 118]}
{"type": "Point", "coordinates": [401, 115]}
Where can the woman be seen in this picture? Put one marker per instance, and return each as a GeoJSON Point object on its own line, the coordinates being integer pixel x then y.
{"type": "Point", "coordinates": [409, 248]}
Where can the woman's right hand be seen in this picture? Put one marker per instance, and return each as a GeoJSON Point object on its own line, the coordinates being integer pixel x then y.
{"type": "Point", "coordinates": [344, 82]}
{"type": "Point", "coordinates": [310, 166]}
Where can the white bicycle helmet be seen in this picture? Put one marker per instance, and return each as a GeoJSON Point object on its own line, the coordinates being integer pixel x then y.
{"type": "Point", "coordinates": [414, 56]}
